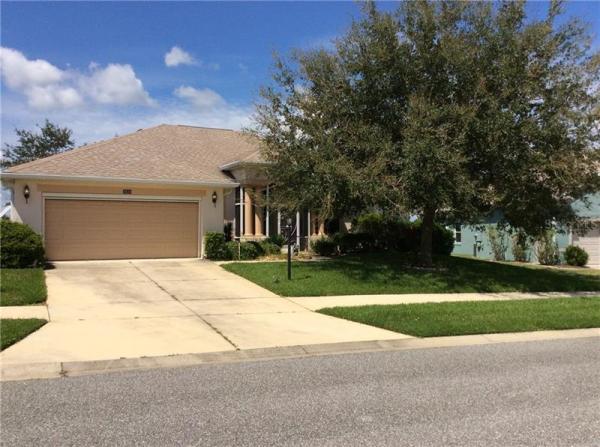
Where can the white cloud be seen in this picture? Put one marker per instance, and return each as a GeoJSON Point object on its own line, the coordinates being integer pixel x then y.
{"type": "Point", "coordinates": [204, 98]}
{"type": "Point", "coordinates": [20, 72]}
{"type": "Point", "coordinates": [178, 56]}
{"type": "Point", "coordinates": [48, 87]}
{"type": "Point", "coordinates": [115, 84]}
{"type": "Point", "coordinates": [100, 121]}
{"type": "Point", "coordinates": [53, 96]}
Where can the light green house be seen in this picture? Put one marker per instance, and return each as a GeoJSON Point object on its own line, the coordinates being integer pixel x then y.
{"type": "Point", "coordinates": [474, 241]}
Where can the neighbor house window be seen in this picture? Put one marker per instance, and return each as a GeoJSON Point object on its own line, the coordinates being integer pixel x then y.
{"type": "Point", "coordinates": [457, 234]}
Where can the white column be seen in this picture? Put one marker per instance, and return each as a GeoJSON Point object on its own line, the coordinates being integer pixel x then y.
{"type": "Point", "coordinates": [308, 230]}
{"type": "Point", "coordinates": [278, 222]}
{"type": "Point", "coordinates": [298, 229]}
{"type": "Point", "coordinates": [241, 211]}
{"type": "Point", "coordinates": [268, 226]}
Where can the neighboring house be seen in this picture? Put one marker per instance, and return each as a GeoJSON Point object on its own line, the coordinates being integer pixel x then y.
{"type": "Point", "coordinates": [150, 194]}
{"type": "Point", "coordinates": [473, 240]}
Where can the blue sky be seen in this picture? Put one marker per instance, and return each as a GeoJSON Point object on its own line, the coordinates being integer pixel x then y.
{"type": "Point", "coordinates": [100, 68]}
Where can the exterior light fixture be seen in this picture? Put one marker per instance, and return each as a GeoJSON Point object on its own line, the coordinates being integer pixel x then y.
{"type": "Point", "coordinates": [26, 193]}
{"type": "Point", "coordinates": [214, 198]}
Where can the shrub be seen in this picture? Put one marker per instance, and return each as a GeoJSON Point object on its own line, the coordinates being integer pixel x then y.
{"type": "Point", "coordinates": [402, 235]}
{"type": "Point", "coordinates": [576, 256]}
{"type": "Point", "coordinates": [323, 246]}
{"type": "Point", "coordinates": [376, 226]}
{"type": "Point", "coordinates": [257, 247]}
{"type": "Point", "coordinates": [521, 246]}
{"type": "Point", "coordinates": [443, 240]}
{"type": "Point", "coordinates": [546, 249]}
{"type": "Point", "coordinates": [277, 239]}
{"type": "Point", "coordinates": [21, 246]}
{"type": "Point", "coordinates": [269, 248]}
{"type": "Point", "coordinates": [215, 246]}
{"type": "Point", "coordinates": [242, 251]}
{"type": "Point", "coordinates": [228, 231]}
{"type": "Point", "coordinates": [498, 241]}
{"type": "Point", "coordinates": [354, 242]}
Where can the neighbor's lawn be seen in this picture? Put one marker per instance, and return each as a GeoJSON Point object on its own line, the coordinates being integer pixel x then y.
{"type": "Point", "coordinates": [19, 287]}
{"type": "Point", "coordinates": [471, 317]}
{"type": "Point", "coordinates": [391, 273]}
{"type": "Point", "coordinates": [11, 331]}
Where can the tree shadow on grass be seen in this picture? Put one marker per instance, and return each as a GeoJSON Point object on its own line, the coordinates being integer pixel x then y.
{"type": "Point", "coordinates": [393, 272]}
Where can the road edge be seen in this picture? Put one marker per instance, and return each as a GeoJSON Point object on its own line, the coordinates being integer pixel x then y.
{"type": "Point", "coordinates": [31, 371]}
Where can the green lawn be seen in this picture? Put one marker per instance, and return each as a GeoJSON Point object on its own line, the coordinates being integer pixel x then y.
{"type": "Point", "coordinates": [471, 317]}
{"type": "Point", "coordinates": [20, 287]}
{"type": "Point", "coordinates": [11, 331]}
{"type": "Point", "coordinates": [381, 273]}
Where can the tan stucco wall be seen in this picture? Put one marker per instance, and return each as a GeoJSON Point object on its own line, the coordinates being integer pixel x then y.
{"type": "Point", "coordinates": [31, 213]}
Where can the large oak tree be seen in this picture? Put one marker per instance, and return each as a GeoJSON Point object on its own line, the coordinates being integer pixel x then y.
{"type": "Point", "coordinates": [448, 110]}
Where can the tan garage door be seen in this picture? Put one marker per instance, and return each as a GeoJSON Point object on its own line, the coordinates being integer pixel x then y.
{"type": "Point", "coordinates": [590, 242]}
{"type": "Point", "coordinates": [110, 229]}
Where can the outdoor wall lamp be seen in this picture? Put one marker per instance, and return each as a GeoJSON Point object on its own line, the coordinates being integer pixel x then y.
{"type": "Point", "coordinates": [214, 198]}
{"type": "Point", "coordinates": [26, 193]}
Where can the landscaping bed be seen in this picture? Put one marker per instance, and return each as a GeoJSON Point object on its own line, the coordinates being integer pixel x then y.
{"type": "Point", "coordinates": [20, 287]}
{"type": "Point", "coordinates": [390, 273]}
{"type": "Point", "coordinates": [472, 317]}
{"type": "Point", "coordinates": [11, 331]}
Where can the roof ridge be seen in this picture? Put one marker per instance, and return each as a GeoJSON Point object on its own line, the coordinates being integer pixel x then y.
{"type": "Point", "coordinates": [95, 145]}
{"type": "Point", "coordinates": [203, 127]}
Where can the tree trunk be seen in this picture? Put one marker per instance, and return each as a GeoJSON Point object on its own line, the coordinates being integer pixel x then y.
{"type": "Point", "coordinates": [425, 258]}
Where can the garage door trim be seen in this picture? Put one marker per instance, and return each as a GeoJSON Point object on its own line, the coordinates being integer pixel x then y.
{"type": "Point", "coordinates": [125, 198]}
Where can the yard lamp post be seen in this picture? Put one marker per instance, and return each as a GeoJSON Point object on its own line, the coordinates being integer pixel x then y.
{"type": "Point", "coordinates": [290, 235]}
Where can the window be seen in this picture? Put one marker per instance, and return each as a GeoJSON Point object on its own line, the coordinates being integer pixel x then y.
{"type": "Point", "coordinates": [457, 234]}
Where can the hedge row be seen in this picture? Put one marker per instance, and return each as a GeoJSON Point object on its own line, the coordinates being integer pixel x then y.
{"type": "Point", "coordinates": [374, 232]}
{"type": "Point", "coordinates": [216, 248]}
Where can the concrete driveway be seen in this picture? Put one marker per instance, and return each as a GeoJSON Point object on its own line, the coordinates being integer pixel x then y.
{"type": "Point", "coordinates": [123, 309]}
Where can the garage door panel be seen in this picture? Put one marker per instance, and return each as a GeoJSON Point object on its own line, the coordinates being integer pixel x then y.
{"type": "Point", "coordinates": [106, 229]}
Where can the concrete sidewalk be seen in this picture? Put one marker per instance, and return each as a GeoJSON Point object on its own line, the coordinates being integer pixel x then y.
{"type": "Point", "coordinates": [320, 302]}
{"type": "Point", "coordinates": [39, 311]}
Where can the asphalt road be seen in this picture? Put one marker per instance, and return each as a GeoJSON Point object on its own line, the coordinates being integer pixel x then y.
{"type": "Point", "coordinates": [537, 393]}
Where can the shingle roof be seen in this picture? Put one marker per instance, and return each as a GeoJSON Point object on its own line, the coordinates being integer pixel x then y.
{"type": "Point", "coordinates": [165, 152]}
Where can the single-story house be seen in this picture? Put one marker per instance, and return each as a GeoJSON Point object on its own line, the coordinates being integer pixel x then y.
{"type": "Point", "coordinates": [153, 193]}
{"type": "Point", "coordinates": [473, 239]}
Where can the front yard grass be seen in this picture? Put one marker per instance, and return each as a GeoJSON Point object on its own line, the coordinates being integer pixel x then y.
{"type": "Point", "coordinates": [472, 317]}
{"type": "Point", "coordinates": [389, 273]}
{"type": "Point", "coordinates": [11, 331]}
{"type": "Point", "coordinates": [19, 287]}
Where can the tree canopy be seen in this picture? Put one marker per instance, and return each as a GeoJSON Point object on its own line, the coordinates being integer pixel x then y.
{"type": "Point", "coordinates": [50, 140]}
{"type": "Point", "coordinates": [447, 110]}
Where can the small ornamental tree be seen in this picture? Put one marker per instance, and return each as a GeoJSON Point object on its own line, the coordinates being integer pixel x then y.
{"type": "Point", "coordinates": [447, 110]}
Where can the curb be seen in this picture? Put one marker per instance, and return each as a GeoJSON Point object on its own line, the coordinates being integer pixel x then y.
{"type": "Point", "coordinates": [28, 371]}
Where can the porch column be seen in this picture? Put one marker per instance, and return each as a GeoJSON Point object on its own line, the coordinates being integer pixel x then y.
{"type": "Point", "coordinates": [267, 215]}
{"type": "Point", "coordinates": [298, 229]}
{"type": "Point", "coordinates": [278, 222]}
{"type": "Point", "coordinates": [248, 213]}
{"type": "Point", "coordinates": [308, 222]}
{"type": "Point", "coordinates": [258, 215]}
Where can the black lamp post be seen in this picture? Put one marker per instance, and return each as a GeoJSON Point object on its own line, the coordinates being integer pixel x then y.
{"type": "Point", "coordinates": [290, 235]}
